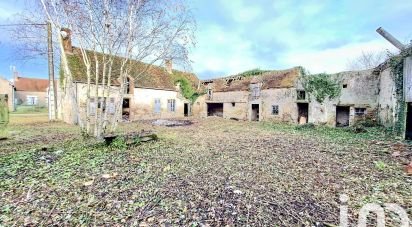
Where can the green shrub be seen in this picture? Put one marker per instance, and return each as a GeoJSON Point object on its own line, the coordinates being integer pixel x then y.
{"type": "Point", "coordinates": [119, 143]}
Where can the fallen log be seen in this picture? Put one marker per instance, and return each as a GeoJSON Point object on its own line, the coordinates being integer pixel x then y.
{"type": "Point", "coordinates": [132, 138]}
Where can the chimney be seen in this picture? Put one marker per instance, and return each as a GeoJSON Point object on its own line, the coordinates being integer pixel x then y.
{"type": "Point", "coordinates": [67, 40]}
{"type": "Point", "coordinates": [169, 66]}
{"type": "Point", "coordinates": [15, 75]}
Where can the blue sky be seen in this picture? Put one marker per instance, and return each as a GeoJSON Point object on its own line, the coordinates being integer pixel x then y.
{"type": "Point", "coordinates": [237, 35]}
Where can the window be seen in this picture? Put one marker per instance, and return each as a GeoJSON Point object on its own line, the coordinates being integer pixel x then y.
{"type": "Point", "coordinates": [255, 90]}
{"type": "Point", "coordinates": [209, 93]}
{"type": "Point", "coordinates": [126, 104]}
{"type": "Point", "coordinates": [301, 95]}
{"type": "Point", "coordinates": [344, 86]}
{"type": "Point", "coordinates": [157, 106]}
{"type": "Point", "coordinates": [233, 104]}
{"type": "Point", "coordinates": [360, 111]}
{"type": "Point", "coordinates": [275, 110]}
{"type": "Point", "coordinates": [171, 105]}
{"type": "Point", "coordinates": [127, 85]}
{"type": "Point", "coordinates": [111, 106]}
{"type": "Point", "coordinates": [31, 100]}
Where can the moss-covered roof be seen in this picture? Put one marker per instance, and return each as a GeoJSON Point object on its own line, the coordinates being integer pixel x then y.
{"type": "Point", "coordinates": [269, 79]}
{"type": "Point", "coordinates": [154, 77]}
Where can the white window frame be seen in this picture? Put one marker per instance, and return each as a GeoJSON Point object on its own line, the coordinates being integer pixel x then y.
{"type": "Point", "coordinates": [360, 113]}
{"type": "Point", "coordinates": [33, 100]}
{"type": "Point", "coordinates": [171, 105]}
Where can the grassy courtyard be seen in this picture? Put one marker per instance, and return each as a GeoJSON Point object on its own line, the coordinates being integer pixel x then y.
{"type": "Point", "coordinates": [213, 172]}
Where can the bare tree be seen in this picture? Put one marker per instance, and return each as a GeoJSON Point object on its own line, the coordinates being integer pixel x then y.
{"type": "Point", "coordinates": [114, 36]}
{"type": "Point", "coordinates": [367, 60]}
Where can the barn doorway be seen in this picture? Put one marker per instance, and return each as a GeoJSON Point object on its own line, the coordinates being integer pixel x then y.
{"type": "Point", "coordinates": [303, 113]}
{"type": "Point", "coordinates": [255, 112]}
{"type": "Point", "coordinates": [215, 109]}
{"type": "Point", "coordinates": [408, 132]}
{"type": "Point", "coordinates": [186, 109]}
{"type": "Point", "coordinates": [126, 109]}
{"type": "Point", "coordinates": [342, 116]}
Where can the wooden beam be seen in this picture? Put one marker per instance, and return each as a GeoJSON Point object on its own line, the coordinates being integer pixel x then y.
{"type": "Point", "coordinates": [390, 38]}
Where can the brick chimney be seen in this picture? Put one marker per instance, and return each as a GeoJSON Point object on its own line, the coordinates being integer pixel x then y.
{"type": "Point", "coordinates": [67, 40]}
{"type": "Point", "coordinates": [169, 66]}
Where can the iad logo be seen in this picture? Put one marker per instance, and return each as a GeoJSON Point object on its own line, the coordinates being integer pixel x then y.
{"type": "Point", "coordinates": [372, 208]}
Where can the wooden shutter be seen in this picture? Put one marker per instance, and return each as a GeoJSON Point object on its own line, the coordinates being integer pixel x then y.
{"type": "Point", "coordinates": [111, 106]}
{"type": "Point", "coordinates": [92, 106]}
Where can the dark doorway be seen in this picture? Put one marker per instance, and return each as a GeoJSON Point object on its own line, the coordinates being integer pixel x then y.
{"type": "Point", "coordinates": [255, 112]}
{"type": "Point", "coordinates": [408, 132]}
{"type": "Point", "coordinates": [126, 109]}
{"type": "Point", "coordinates": [342, 116]}
{"type": "Point", "coordinates": [215, 109]}
{"type": "Point", "coordinates": [303, 113]}
{"type": "Point", "coordinates": [186, 109]}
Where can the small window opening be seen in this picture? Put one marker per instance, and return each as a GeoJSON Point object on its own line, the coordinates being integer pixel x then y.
{"type": "Point", "coordinates": [301, 95]}
{"type": "Point", "coordinates": [360, 111]}
{"type": "Point", "coordinates": [233, 104]}
{"type": "Point", "coordinates": [275, 110]}
{"type": "Point", "coordinates": [127, 85]}
{"type": "Point", "coordinates": [344, 85]}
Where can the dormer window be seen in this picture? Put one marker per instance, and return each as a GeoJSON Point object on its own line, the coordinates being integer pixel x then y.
{"type": "Point", "coordinates": [255, 91]}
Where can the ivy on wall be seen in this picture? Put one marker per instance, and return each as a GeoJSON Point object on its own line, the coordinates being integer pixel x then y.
{"type": "Point", "coordinates": [321, 86]}
{"type": "Point", "coordinates": [187, 89]}
{"type": "Point", "coordinates": [396, 64]}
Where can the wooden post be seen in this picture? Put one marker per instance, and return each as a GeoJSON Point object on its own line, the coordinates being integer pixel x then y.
{"type": "Point", "coordinates": [52, 83]}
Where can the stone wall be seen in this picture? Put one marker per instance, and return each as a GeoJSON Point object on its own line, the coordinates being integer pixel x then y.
{"type": "Point", "coordinates": [387, 99]}
{"type": "Point", "coordinates": [143, 101]}
{"type": "Point", "coordinates": [285, 99]}
{"type": "Point", "coordinates": [361, 91]}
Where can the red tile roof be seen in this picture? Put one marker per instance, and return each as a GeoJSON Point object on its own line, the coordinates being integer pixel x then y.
{"type": "Point", "coordinates": [31, 84]}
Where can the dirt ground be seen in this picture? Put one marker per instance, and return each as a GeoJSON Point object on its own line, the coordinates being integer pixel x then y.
{"type": "Point", "coordinates": [212, 172]}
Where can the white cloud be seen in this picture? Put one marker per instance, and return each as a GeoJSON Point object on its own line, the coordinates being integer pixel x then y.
{"type": "Point", "coordinates": [241, 11]}
{"type": "Point", "coordinates": [222, 51]}
{"type": "Point", "coordinates": [332, 60]}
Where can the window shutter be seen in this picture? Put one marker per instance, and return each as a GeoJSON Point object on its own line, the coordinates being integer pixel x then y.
{"type": "Point", "coordinates": [92, 106]}
{"type": "Point", "coordinates": [157, 106]}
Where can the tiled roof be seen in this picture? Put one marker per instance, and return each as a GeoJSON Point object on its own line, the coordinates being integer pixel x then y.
{"type": "Point", "coordinates": [155, 76]}
{"type": "Point", "coordinates": [271, 79]}
{"type": "Point", "coordinates": [31, 84]}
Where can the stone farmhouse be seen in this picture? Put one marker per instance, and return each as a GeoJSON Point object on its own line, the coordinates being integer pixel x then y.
{"type": "Point", "coordinates": [156, 94]}
{"type": "Point", "coordinates": [277, 95]}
